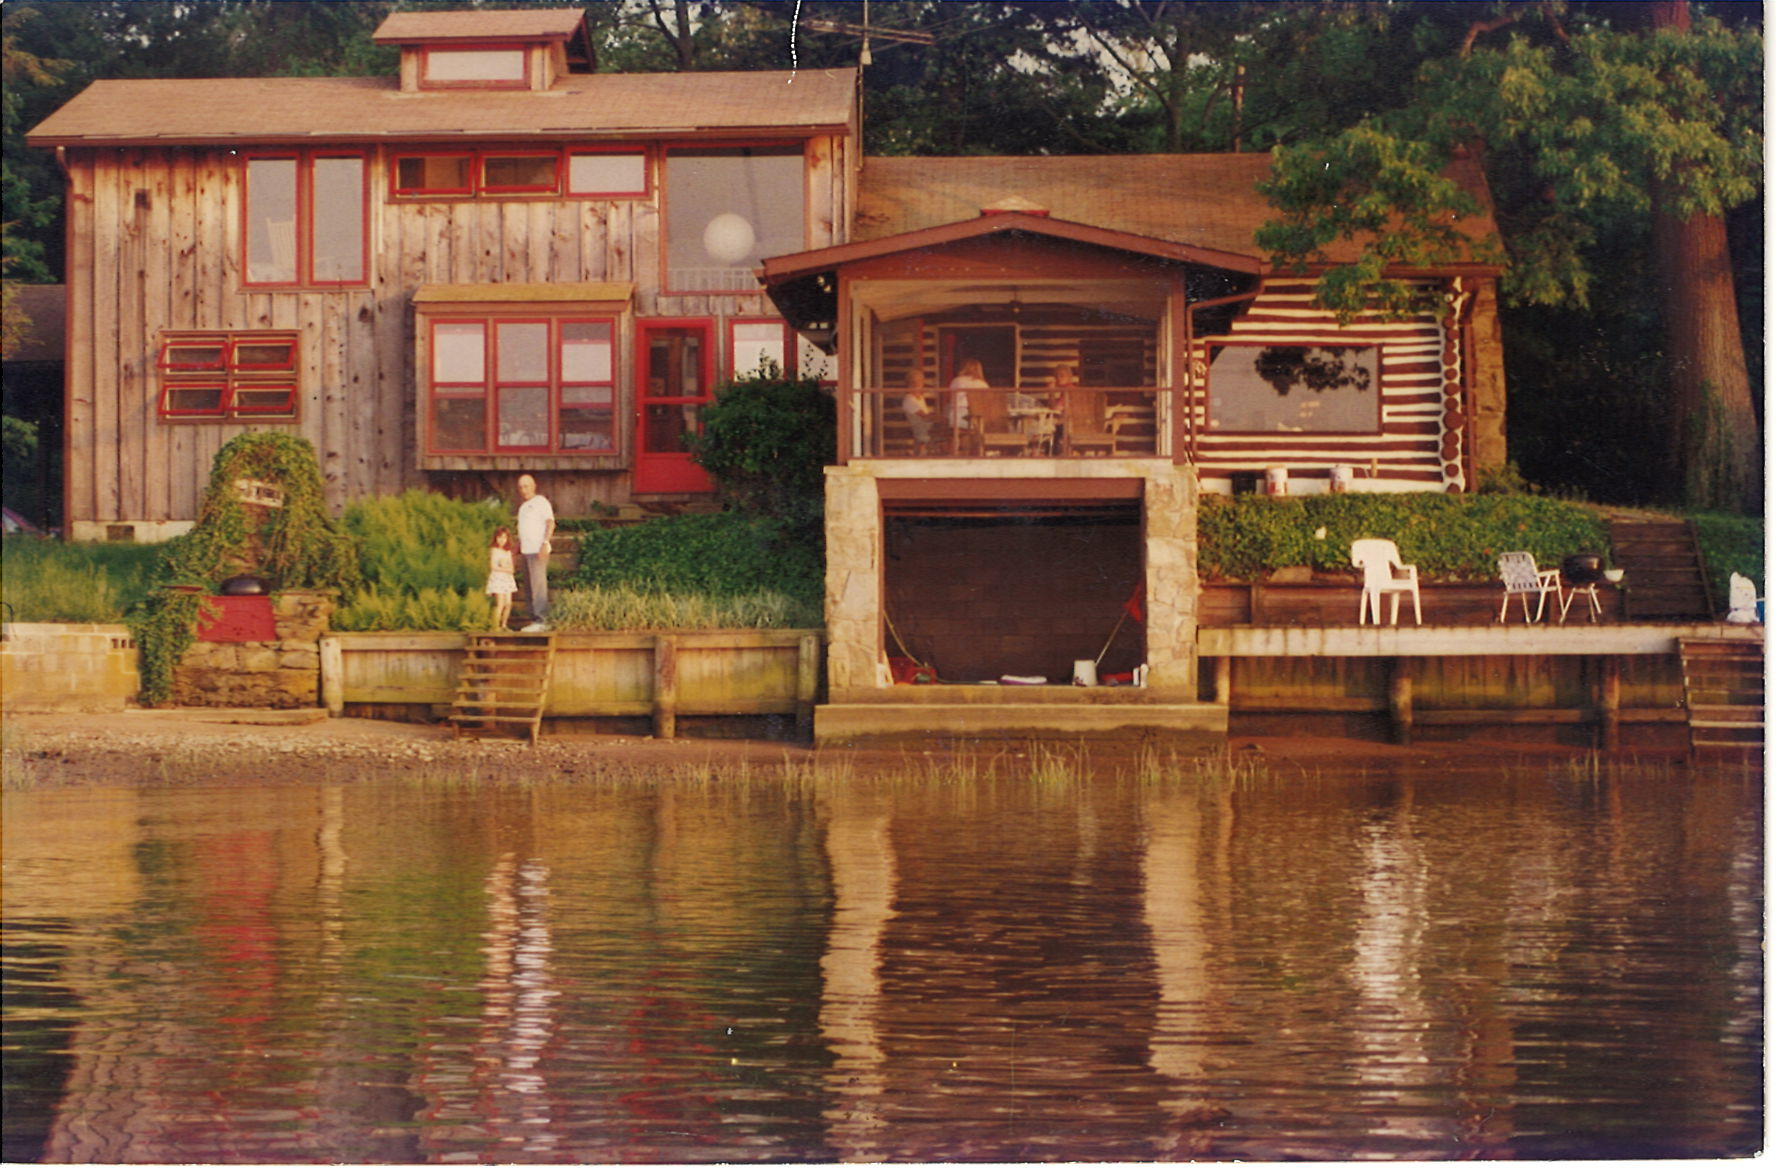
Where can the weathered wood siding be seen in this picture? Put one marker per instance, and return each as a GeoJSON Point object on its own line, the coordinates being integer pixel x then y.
{"type": "Point", "coordinates": [1424, 389]}
{"type": "Point", "coordinates": [155, 244]}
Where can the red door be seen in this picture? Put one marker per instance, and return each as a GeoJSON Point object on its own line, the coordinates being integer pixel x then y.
{"type": "Point", "coordinates": [677, 368]}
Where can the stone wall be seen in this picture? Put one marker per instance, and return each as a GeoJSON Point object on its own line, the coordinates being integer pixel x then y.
{"type": "Point", "coordinates": [67, 668]}
{"type": "Point", "coordinates": [266, 675]}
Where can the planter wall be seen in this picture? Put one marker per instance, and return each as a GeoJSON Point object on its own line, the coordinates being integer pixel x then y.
{"type": "Point", "coordinates": [67, 668]}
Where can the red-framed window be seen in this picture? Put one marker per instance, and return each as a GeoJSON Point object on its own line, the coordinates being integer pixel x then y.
{"type": "Point", "coordinates": [521, 384]}
{"type": "Point", "coordinates": [576, 172]}
{"type": "Point", "coordinates": [754, 345]}
{"type": "Point", "coordinates": [727, 207]}
{"type": "Point", "coordinates": [306, 220]}
{"type": "Point", "coordinates": [475, 67]}
{"type": "Point", "coordinates": [227, 375]}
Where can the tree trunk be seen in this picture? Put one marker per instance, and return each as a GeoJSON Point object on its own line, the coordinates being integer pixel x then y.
{"type": "Point", "coordinates": [1716, 452]}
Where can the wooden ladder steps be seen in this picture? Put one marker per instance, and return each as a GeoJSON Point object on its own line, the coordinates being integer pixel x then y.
{"type": "Point", "coordinates": [1724, 695]}
{"type": "Point", "coordinates": [503, 682]}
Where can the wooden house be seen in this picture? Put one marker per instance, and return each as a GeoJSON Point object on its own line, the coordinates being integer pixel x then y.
{"type": "Point", "coordinates": [497, 263]}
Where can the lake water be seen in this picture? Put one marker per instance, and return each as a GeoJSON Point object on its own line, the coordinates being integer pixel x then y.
{"type": "Point", "coordinates": [1553, 964]}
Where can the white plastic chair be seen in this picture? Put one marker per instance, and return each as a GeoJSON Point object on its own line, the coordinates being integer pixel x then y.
{"type": "Point", "coordinates": [1521, 577]}
{"type": "Point", "coordinates": [1384, 574]}
{"type": "Point", "coordinates": [1742, 601]}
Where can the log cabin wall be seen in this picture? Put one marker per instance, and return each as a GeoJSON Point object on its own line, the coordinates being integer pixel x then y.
{"type": "Point", "coordinates": [155, 245]}
{"type": "Point", "coordinates": [1425, 388]}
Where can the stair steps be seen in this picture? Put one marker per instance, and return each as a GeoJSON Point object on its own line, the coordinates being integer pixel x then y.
{"type": "Point", "coordinates": [1666, 579]}
{"type": "Point", "coordinates": [503, 684]}
{"type": "Point", "coordinates": [1724, 696]}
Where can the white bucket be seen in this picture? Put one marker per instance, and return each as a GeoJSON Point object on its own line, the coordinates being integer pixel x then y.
{"type": "Point", "coordinates": [1341, 479]}
{"type": "Point", "coordinates": [1276, 481]}
{"type": "Point", "coordinates": [1085, 672]}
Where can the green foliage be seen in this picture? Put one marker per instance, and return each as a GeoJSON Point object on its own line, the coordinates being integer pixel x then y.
{"type": "Point", "coordinates": [382, 608]}
{"type": "Point", "coordinates": [1447, 536]}
{"type": "Point", "coordinates": [1731, 543]}
{"type": "Point", "coordinates": [729, 554]}
{"type": "Point", "coordinates": [420, 539]}
{"type": "Point", "coordinates": [75, 583]}
{"type": "Point", "coordinates": [18, 438]}
{"type": "Point", "coordinates": [766, 441]}
{"type": "Point", "coordinates": [297, 545]}
{"type": "Point", "coordinates": [628, 608]}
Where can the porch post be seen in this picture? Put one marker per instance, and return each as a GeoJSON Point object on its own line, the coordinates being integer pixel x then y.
{"type": "Point", "coordinates": [854, 658]}
{"type": "Point", "coordinates": [1169, 516]}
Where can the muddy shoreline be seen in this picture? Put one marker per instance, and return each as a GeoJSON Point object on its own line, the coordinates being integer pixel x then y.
{"type": "Point", "coordinates": [189, 747]}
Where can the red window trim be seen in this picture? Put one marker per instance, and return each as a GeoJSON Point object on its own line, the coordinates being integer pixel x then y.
{"type": "Point", "coordinates": [789, 343]}
{"type": "Point", "coordinates": [425, 66]}
{"type": "Point", "coordinates": [488, 390]}
{"type": "Point", "coordinates": [229, 377]}
{"type": "Point", "coordinates": [485, 187]}
{"type": "Point", "coordinates": [647, 172]}
{"type": "Point", "coordinates": [304, 259]}
{"type": "Point", "coordinates": [666, 288]}
{"type": "Point", "coordinates": [1210, 344]}
{"type": "Point", "coordinates": [396, 190]}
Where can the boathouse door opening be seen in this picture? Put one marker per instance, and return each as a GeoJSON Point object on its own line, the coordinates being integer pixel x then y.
{"type": "Point", "coordinates": [987, 593]}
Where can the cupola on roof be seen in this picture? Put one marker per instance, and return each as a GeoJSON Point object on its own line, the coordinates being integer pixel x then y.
{"type": "Point", "coordinates": [481, 25]}
{"type": "Point", "coordinates": [498, 48]}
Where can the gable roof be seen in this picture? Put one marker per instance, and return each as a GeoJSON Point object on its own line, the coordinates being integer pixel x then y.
{"type": "Point", "coordinates": [526, 24]}
{"type": "Point", "coordinates": [326, 110]}
{"type": "Point", "coordinates": [1207, 201]}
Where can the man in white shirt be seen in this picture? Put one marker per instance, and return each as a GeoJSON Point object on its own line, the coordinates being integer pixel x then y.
{"type": "Point", "coordinates": [536, 527]}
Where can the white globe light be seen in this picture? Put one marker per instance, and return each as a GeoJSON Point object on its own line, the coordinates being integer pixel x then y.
{"type": "Point", "coordinates": [729, 238]}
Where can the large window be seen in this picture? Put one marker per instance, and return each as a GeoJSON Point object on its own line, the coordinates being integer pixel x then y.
{"type": "Point", "coordinates": [507, 173]}
{"type": "Point", "coordinates": [227, 375]}
{"type": "Point", "coordinates": [521, 385]}
{"type": "Point", "coordinates": [307, 220]}
{"type": "Point", "coordinates": [727, 209]}
{"type": "Point", "coordinates": [1308, 389]}
{"type": "Point", "coordinates": [475, 68]}
{"type": "Point", "coordinates": [755, 345]}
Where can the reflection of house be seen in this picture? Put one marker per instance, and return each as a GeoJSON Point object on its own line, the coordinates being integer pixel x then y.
{"type": "Point", "coordinates": [500, 263]}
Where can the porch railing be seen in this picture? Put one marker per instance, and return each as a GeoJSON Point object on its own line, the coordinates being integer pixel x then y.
{"type": "Point", "coordinates": [1075, 422]}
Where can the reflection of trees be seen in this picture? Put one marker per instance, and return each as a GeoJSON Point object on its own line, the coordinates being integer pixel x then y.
{"type": "Point", "coordinates": [1319, 368]}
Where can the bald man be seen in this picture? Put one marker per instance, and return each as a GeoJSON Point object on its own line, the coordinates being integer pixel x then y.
{"type": "Point", "coordinates": [536, 527]}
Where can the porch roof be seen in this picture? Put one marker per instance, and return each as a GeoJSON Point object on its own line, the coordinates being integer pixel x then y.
{"type": "Point", "coordinates": [1209, 202]}
{"type": "Point", "coordinates": [322, 111]}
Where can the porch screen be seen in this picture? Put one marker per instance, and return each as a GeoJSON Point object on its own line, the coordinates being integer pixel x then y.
{"type": "Point", "coordinates": [1307, 389]}
{"type": "Point", "coordinates": [726, 210]}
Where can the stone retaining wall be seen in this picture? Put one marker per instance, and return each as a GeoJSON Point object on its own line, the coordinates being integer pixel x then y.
{"type": "Point", "coordinates": [266, 675]}
{"type": "Point", "coordinates": [67, 668]}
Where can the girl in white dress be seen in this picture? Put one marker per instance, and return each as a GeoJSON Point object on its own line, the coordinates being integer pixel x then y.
{"type": "Point", "coordinates": [501, 584]}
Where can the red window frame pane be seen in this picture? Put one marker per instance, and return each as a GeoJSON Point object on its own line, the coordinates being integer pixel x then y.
{"type": "Point", "coordinates": [173, 386]}
{"type": "Point", "coordinates": [170, 348]}
{"type": "Point", "coordinates": [642, 191]}
{"type": "Point", "coordinates": [285, 406]}
{"type": "Point", "coordinates": [601, 402]}
{"type": "Point", "coordinates": [478, 390]}
{"type": "Point", "coordinates": [467, 157]}
{"type": "Point", "coordinates": [485, 187]}
{"type": "Point", "coordinates": [316, 213]}
{"type": "Point", "coordinates": [238, 362]}
{"type": "Point", "coordinates": [735, 370]}
{"type": "Point", "coordinates": [427, 81]}
{"type": "Point", "coordinates": [501, 385]}
{"type": "Point", "coordinates": [298, 216]}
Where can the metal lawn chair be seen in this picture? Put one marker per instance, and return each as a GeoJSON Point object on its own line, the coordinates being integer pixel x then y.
{"type": "Point", "coordinates": [1521, 577]}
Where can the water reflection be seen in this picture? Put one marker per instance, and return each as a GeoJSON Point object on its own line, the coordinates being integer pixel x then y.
{"type": "Point", "coordinates": [1407, 966]}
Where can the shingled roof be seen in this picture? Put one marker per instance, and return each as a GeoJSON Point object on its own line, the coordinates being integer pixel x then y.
{"type": "Point", "coordinates": [485, 25]}
{"type": "Point", "coordinates": [328, 110]}
{"type": "Point", "coordinates": [1205, 200]}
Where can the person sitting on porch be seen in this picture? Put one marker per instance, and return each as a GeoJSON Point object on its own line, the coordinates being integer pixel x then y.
{"type": "Point", "coordinates": [919, 414]}
{"type": "Point", "coordinates": [971, 376]}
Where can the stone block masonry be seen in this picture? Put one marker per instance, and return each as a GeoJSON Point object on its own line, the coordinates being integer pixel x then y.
{"type": "Point", "coordinates": [67, 669]}
{"type": "Point", "coordinates": [280, 674]}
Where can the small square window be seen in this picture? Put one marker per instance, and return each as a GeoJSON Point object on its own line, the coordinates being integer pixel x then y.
{"type": "Point", "coordinates": [434, 174]}
{"type": "Point", "coordinates": [520, 173]}
{"type": "Point", "coordinates": [504, 67]}
{"type": "Point", "coordinates": [606, 173]}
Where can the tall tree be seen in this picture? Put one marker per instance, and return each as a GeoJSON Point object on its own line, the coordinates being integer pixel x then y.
{"type": "Point", "coordinates": [1579, 128]}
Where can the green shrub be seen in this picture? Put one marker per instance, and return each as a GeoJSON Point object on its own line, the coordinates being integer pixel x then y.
{"type": "Point", "coordinates": [419, 540]}
{"type": "Point", "coordinates": [382, 608]}
{"type": "Point", "coordinates": [1447, 536]}
{"type": "Point", "coordinates": [729, 554]}
{"type": "Point", "coordinates": [1731, 543]}
{"type": "Point", "coordinates": [77, 583]}
{"type": "Point", "coordinates": [625, 608]}
{"type": "Point", "coordinates": [766, 441]}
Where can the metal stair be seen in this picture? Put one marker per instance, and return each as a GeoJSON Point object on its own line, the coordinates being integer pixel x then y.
{"type": "Point", "coordinates": [1665, 576]}
{"type": "Point", "coordinates": [1724, 694]}
{"type": "Point", "coordinates": [503, 684]}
